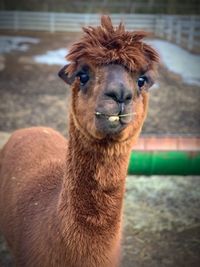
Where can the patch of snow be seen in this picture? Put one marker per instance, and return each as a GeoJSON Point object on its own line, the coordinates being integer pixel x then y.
{"type": "Point", "coordinates": [179, 61]}
{"type": "Point", "coordinates": [52, 57]}
{"type": "Point", "coordinates": [19, 43]}
{"type": "Point", "coordinates": [155, 86]}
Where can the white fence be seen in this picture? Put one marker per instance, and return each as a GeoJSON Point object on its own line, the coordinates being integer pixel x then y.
{"type": "Point", "coordinates": [54, 22]}
{"type": "Point", "coordinates": [183, 30]}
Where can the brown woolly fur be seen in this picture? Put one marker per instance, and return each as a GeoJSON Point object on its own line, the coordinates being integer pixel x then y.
{"type": "Point", "coordinates": [106, 44]}
{"type": "Point", "coordinates": [61, 201]}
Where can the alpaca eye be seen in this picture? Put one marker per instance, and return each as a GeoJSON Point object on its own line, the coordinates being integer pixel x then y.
{"type": "Point", "coordinates": [141, 81]}
{"type": "Point", "coordinates": [84, 77]}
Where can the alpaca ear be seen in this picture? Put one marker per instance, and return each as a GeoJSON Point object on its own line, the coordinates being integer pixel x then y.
{"type": "Point", "coordinates": [69, 79]}
{"type": "Point", "coordinates": [151, 77]}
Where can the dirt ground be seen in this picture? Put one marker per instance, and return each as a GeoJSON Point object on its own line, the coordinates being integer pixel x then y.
{"type": "Point", "coordinates": [162, 222]}
{"type": "Point", "coordinates": [161, 216]}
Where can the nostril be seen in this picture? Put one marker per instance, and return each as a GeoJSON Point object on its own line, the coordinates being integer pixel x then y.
{"type": "Point", "coordinates": [120, 97]}
{"type": "Point", "coordinates": [113, 95]}
{"type": "Point", "coordinates": [128, 97]}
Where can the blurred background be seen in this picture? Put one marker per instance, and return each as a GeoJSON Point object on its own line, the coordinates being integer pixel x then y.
{"type": "Point", "coordinates": [162, 202]}
{"type": "Point", "coordinates": [127, 6]}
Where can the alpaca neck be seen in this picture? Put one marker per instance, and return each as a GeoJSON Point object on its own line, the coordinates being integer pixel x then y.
{"type": "Point", "coordinates": [94, 182]}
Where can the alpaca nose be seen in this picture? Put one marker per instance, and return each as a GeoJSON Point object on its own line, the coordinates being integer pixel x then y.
{"type": "Point", "coordinates": [120, 95]}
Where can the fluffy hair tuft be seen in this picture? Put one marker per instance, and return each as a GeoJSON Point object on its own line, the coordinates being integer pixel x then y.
{"type": "Point", "coordinates": [106, 44]}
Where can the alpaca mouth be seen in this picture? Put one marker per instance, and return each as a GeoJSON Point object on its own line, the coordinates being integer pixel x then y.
{"type": "Point", "coordinates": [113, 123]}
{"type": "Point", "coordinates": [114, 118]}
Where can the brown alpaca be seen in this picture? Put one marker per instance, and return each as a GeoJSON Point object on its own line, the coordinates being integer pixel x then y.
{"type": "Point", "coordinates": [61, 203]}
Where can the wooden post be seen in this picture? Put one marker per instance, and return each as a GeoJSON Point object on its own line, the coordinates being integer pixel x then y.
{"type": "Point", "coordinates": [170, 21]}
{"type": "Point", "coordinates": [191, 33]}
{"type": "Point", "coordinates": [157, 26]}
{"type": "Point", "coordinates": [52, 22]}
{"type": "Point", "coordinates": [16, 21]}
{"type": "Point", "coordinates": [178, 31]}
{"type": "Point", "coordinates": [160, 26]}
{"type": "Point", "coordinates": [163, 27]}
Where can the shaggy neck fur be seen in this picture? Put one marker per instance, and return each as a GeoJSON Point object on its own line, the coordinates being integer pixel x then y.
{"type": "Point", "coordinates": [95, 176]}
{"type": "Point", "coordinates": [91, 199]}
{"type": "Point", "coordinates": [96, 173]}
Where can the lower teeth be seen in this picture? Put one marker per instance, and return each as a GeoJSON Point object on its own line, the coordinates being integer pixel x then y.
{"type": "Point", "coordinates": [113, 118]}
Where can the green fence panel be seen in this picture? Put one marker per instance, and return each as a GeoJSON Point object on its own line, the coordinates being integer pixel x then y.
{"type": "Point", "coordinates": [164, 162]}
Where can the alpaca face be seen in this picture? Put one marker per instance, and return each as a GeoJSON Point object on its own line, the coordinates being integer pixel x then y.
{"type": "Point", "coordinates": [108, 101]}
{"type": "Point", "coordinates": [110, 72]}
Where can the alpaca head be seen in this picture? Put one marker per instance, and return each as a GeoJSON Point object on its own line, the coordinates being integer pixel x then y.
{"type": "Point", "coordinates": [110, 72]}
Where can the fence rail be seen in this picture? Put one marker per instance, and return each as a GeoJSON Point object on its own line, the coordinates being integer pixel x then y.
{"type": "Point", "coordinates": [50, 21]}
{"type": "Point", "coordinates": [183, 30]}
